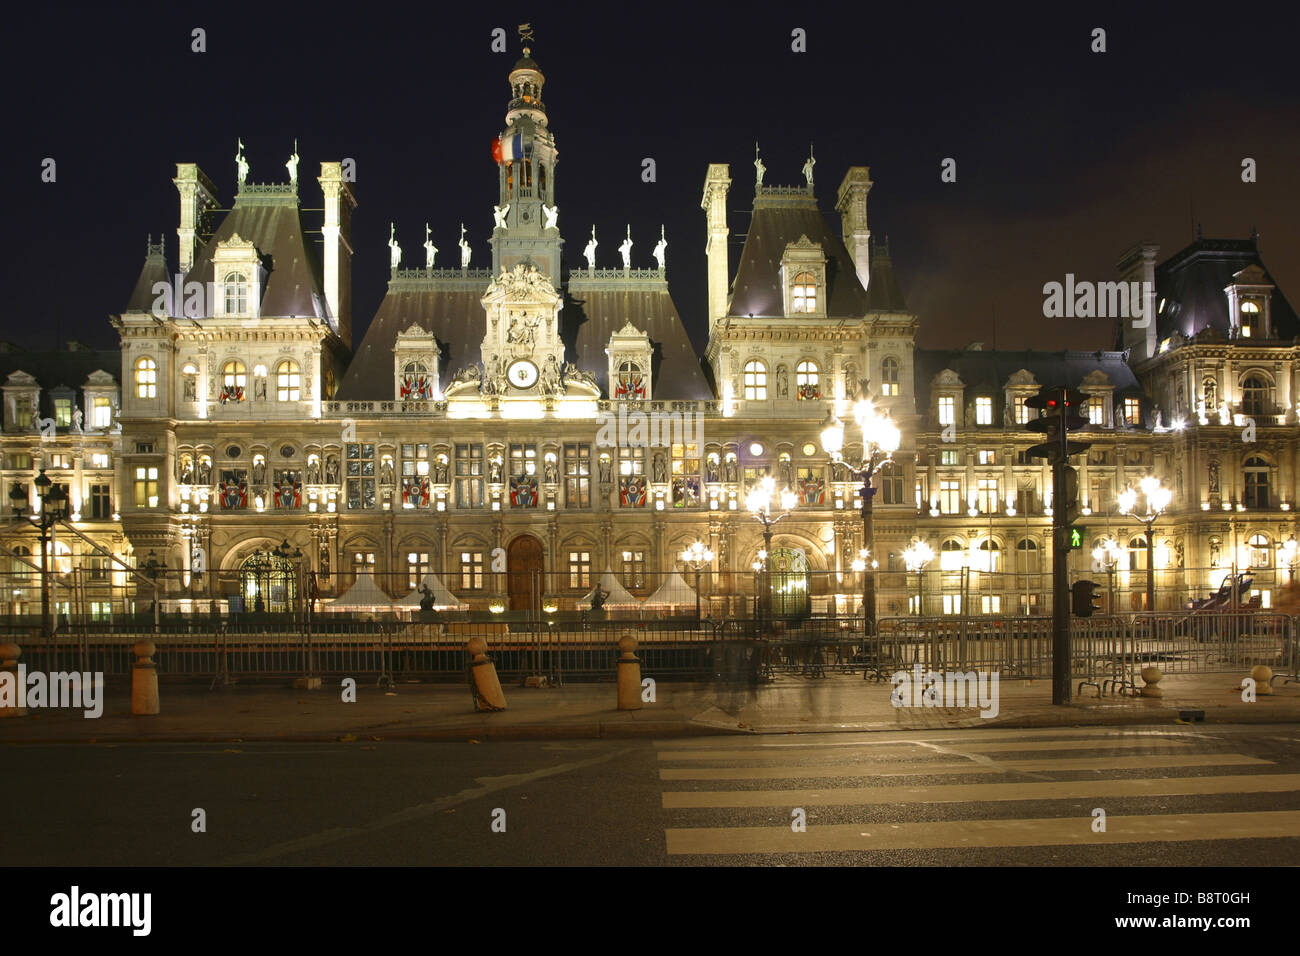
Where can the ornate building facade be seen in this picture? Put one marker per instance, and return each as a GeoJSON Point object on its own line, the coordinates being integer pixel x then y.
{"type": "Point", "coordinates": [542, 416]}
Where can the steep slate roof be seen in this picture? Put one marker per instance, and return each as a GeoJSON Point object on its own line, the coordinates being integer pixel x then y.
{"type": "Point", "coordinates": [274, 226]}
{"type": "Point", "coordinates": [451, 309]}
{"type": "Point", "coordinates": [884, 293]}
{"type": "Point", "coordinates": [1192, 283]}
{"type": "Point", "coordinates": [779, 220]}
{"type": "Point", "coordinates": [154, 270]}
{"type": "Point", "coordinates": [595, 309]}
{"type": "Point", "coordinates": [70, 367]}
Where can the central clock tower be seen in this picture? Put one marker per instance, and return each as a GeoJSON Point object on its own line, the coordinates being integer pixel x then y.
{"type": "Point", "coordinates": [521, 349]}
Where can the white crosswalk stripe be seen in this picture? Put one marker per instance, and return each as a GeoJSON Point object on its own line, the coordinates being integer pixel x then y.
{"type": "Point", "coordinates": [704, 776]}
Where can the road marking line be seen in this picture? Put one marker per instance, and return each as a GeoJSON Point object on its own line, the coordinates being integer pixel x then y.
{"type": "Point", "coordinates": [986, 792]}
{"type": "Point", "coordinates": [876, 738]}
{"type": "Point", "coordinates": [958, 834]}
{"type": "Point", "coordinates": [869, 769]}
{"type": "Point", "coordinates": [990, 746]}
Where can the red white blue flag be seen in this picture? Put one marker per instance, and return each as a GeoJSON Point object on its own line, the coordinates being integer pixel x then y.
{"type": "Point", "coordinates": [508, 148]}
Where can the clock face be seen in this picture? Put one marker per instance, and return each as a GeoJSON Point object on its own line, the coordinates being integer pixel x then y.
{"type": "Point", "coordinates": [522, 374]}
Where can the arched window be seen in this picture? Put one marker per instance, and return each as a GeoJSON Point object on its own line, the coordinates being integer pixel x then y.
{"type": "Point", "coordinates": [236, 293]}
{"type": "Point", "coordinates": [952, 555]}
{"type": "Point", "coordinates": [1256, 395]}
{"type": "Point", "coordinates": [1261, 551]}
{"type": "Point", "coordinates": [987, 556]}
{"type": "Point", "coordinates": [146, 378]}
{"type": "Point", "coordinates": [1027, 556]}
{"type": "Point", "coordinates": [889, 377]}
{"type": "Point", "coordinates": [1256, 495]}
{"type": "Point", "coordinates": [234, 379]}
{"type": "Point", "coordinates": [631, 382]}
{"type": "Point", "coordinates": [807, 380]}
{"type": "Point", "coordinates": [288, 381]}
{"type": "Point", "coordinates": [755, 381]}
{"type": "Point", "coordinates": [1137, 554]}
{"type": "Point", "coordinates": [1249, 317]}
{"type": "Point", "coordinates": [803, 293]}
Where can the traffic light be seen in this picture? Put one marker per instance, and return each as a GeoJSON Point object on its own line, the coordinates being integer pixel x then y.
{"type": "Point", "coordinates": [1075, 537]}
{"type": "Point", "coordinates": [1086, 598]}
{"type": "Point", "coordinates": [1060, 408]}
{"type": "Point", "coordinates": [1069, 496]}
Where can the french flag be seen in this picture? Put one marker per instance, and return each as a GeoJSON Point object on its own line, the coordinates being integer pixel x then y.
{"type": "Point", "coordinates": [507, 148]}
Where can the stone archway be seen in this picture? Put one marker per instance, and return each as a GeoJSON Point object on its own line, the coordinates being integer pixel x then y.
{"type": "Point", "coordinates": [525, 571]}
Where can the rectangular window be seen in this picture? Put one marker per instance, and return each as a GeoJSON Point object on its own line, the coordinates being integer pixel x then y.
{"type": "Point", "coordinates": [947, 410]}
{"type": "Point", "coordinates": [1019, 411]}
{"type": "Point", "coordinates": [987, 456]}
{"type": "Point", "coordinates": [471, 570]}
{"type": "Point", "coordinates": [101, 612]}
{"type": "Point", "coordinates": [96, 567]}
{"type": "Point", "coordinates": [63, 413]}
{"type": "Point", "coordinates": [415, 460]}
{"type": "Point", "coordinates": [417, 566]}
{"type": "Point", "coordinates": [146, 487]}
{"type": "Point", "coordinates": [990, 604]}
{"type": "Point", "coordinates": [1133, 411]}
{"type": "Point", "coordinates": [1027, 496]}
{"type": "Point", "coordinates": [952, 604]}
{"type": "Point", "coordinates": [363, 562]}
{"type": "Point", "coordinates": [631, 461]}
{"type": "Point", "coordinates": [1099, 494]}
{"type": "Point", "coordinates": [58, 460]}
{"type": "Point", "coordinates": [948, 456]}
{"type": "Point", "coordinates": [950, 496]}
{"type": "Point", "coordinates": [523, 460]}
{"type": "Point", "coordinates": [101, 503]}
{"type": "Point", "coordinates": [579, 569]}
{"type": "Point", "coordinates": [633, 569]}
{"type": "Point", "coordinates": [100, 459]}
{"type": "Point", "coordinates": [469, 476]}
{"type": "Point", "coordinates": [983, 411]}
{"type": "Point", "coordinates": [891, 485]}
{"type": "Point", "coordinates": [101, 413]}
{"type": "Point", "coordinates": [144, 448]}
{"type": "Point", "coordinates": [20, 461]}
{"type": "Point", "coordinates": [1029, 604]}
{"type": "Point", "coordinates": [361, 476]}
{"type": "Point", "coordinates": [986, 495]}
{"type": "Point", "coordinates": [577, 476]}
{"type": "Point", "coordinates": [1096, 411]}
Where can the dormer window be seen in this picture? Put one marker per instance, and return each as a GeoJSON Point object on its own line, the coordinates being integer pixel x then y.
{"type": "Point", "coordinates": [630, 382]}
{"type": "Point", "coordinates": [236, 284]}
{"type": "Point", "coordinates": [1250, 314]}
{"type": "Point", "coordinates": [803, 293]}
{"type": "Point", "coordinates": [807, 380]}
{"type": "Point", "coordinates": [983, 410]}
{"type": "Point", "coordinates": [947, 410]}
{"type": "Point", "coordinates": [889, 377]}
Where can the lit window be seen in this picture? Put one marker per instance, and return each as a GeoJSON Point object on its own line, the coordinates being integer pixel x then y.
{"type": "Point", "coordinates": [947, 410]}
{"type": "Point", "coordinates": [1261, 553]}
{"type": "Point", "coordinates": [949, 496]}
{"type": "Point", "coordinates": [234, 380]}
{"type": "Point", "coordinates": [948, 456]}
{"type": "Point", "coordinates": [417, 566]}
{"type": "Point", "coordinates": [579, 569]}
{"type": "Point", "coordinates": [1256, 396]}
{"type": "Point", "coordinates": [952, 556]}
{"type": "Point", "coordinates": [633, 569]}
{"type": "Point", "coordinates": [803, 293]}
{"type": "Point", "coordinates": [1096, 411]}
{"type": "Point", "coordinates": [755, 381]}
{"type": "Point", "coordinates": [1257, 481]}
{"type": "Point", "coordinates": [987, 456]}
{"type": "Point", "coordinates": [99, 459]}
{"type": "Point", "coordinates": [889, 377]}
{"type": "Point", "coordinates": [101, 413]}
{"type": "Point", "coordinates": [146, 378]}
{"type": "Point", "coordinates": [1132, 411]}
{"type": "Point", "coordinates": [986, 495]}
{"type": "Point", "coordinates": [63, 412]}
{"type": "Point", "coordinates": [236, 293]}
{"type": "Point", "coordinates": [146, 487]}
{"type": "Point", "coordinates": [363, 562]}
{"type": "Point", "coordinates": [1019, 410]}
{"type": "Point", "coordinates": [983, 411]}
{"type": "Point", "coordinates": [471, 570]}
{"type": "Point", "coordinates": [288, 381]}
{"type": "Point", "coordinates": [807, 380]}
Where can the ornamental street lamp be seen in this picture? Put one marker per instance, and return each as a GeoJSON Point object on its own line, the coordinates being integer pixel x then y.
{"type": "Point", "coordinates": [696, 557]}
{"type": "Point", "coordinates": [916, 556]}
{"type": "Point", "coordinates": [880, 439]}
{"type": "Point", "coordinates": [1106, 555]}
{"type": "Point", "coordinates": [54, 508]}
{"type": "Point", "coordinates": [1288, 554]}
{"type": "Point", "coordinates": [1156, 499]}
{"type": "Point", "coordinates": [760, 501]}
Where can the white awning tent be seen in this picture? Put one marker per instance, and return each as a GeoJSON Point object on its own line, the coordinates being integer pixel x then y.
{"type": "Point", "coordinates": [673, 593]}
{"type": "Point", "coordinates": [364, 595]}
{"type": "Point", "coordinates": [619, 598]}
{"type": "Point", "coordinates": [443, 600]}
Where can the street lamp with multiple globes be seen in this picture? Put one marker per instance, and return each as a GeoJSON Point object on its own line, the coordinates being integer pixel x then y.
{"type": "Point", "coordinates": [1156, 499]}
{"type": "Point", "coordinates": [880, 439]}
{"type": "Point", "coordinates": [54, 508]}
{"type": "Point", "coordinates": [761, 501]}
{"type": "Point", "coordinates": [1288, 554]}
{"type": "Point", "coordinates": [1106, 555]}
{"type": "Point", "coordinates": [916, 556]}
{"type": "Point", "coordinates": [696, 557]}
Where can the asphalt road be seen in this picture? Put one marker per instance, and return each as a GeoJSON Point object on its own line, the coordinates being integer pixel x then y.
{"type": "Point", "coordinates": [1172, 796]}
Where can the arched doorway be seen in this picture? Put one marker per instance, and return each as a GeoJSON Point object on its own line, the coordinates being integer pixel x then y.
{"type": "Point", "coordinates": [524, 570]}
{"type": "Point", "coordinates": [789, 568]}
{"type": "Point", "coordinates": [268, 583]}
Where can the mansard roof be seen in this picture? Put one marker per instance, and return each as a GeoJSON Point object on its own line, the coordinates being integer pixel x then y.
{"type": "Point", "coordinates": [153, 271]}
{"type": "Point", "coordinates": [1192, 281]}
{"type": "Point", "coordinates": [780, 219]}
{"type": "Point", "coordinates": [68, 367]}
{"type": "Point", "coordinates": [988, 372]}
{"type": "Point", "coordinates": [272, 222]}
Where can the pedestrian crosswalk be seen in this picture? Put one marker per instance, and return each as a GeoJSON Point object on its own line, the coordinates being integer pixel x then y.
{"type": "Point", "coordinates": [736, 796]}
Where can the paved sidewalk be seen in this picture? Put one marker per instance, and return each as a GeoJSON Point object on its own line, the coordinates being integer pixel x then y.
{"type": "Point", "coordinates": [839, 702]}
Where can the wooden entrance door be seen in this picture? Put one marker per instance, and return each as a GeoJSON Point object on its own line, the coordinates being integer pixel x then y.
{"type": "Point", "coordinates": [524, 567]}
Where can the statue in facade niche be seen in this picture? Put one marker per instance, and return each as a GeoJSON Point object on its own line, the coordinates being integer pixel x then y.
{"type": "Point", "coordinates": [660, 468]}
{"type": "Point", "coordinates": [550, 377]}
{"type": "Point", "coordinates": [605, 468]}
{"type": "Point", "coordinates": [440, 471]}
{"type": "Point", "coordinates": [76, 420]}
{"type": "Point", "coordinates": [782, 382]}
{"type": "Point", "coordinates": [259, 471]}
{"type": "Point", "coordinates": [386, 472]}
{"type": "Point", "coordinates": [332, 470]}
{"type": "Point", "coordinates": [550, 472]}
{"type": "Point", "coordinates": [313, 471]}
{"type": "Point", "coordinates": [1214, 476]}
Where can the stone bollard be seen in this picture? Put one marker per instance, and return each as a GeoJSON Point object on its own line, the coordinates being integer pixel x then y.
{"type": "Point", "coordinates": [629, 673]}
{"type": "Point", "coordinates": [487, 686]}
{"type": "Point", "coordinates": [144, 680]}
{"type": "Point", "coordinates": [9, 654]}
{"type": "Point", "coordinates": [1152, 676]}
{"type": "Point", "coordinates": [1262, 674]}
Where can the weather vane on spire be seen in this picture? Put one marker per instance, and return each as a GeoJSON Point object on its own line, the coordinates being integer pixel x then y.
{"type": "Point", "coordinates": [525, 35]}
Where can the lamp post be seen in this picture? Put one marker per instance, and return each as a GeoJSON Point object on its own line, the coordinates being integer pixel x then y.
{"type": "Point", "coordinates": [294, 557]}
{"type": "Point", "coordinates": [1288, 554]}
{"type": "Point", "coordinates": [916, 556]}
{"type": "Point", "coordinates": [1106, 555]}
{"type": "Point", "coordinates": [54, 508]}
{"type": "Point", "coordinates": [696, 557]}
{"type": "Point", "coordinates": [1156, 499]}
{"type": "Point", "coordinates": [880, 439]}
{"type": "Point", "coordinates": [760, 502]}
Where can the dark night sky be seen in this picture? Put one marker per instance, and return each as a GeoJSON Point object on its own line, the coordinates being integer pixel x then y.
{"type": "Point", "coordinates": [1065, 157]}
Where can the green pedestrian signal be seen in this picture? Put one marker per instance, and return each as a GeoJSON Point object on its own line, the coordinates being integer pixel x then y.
{"type": "Point", "coordinates": [1076, 539]}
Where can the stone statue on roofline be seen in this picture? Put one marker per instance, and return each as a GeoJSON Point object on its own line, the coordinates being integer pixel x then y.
{"type": "Point", "coordinates": [590, 251]}
{"type": "Point", "coordinates": [241, 164]}
{"type": "Point", "coordinates": [808, 165]}
{"type": "Point", "coordinates": [660, 247]}
{"type": "Point", "coordinates": [759, 169]}
{"type": "Point", "coordinates": [292, 165]}
{"type": "Point", "coordinates": [395, 251]}
{"type": "Point", "coordinates": [625, 250]}
{"type": "Point", "coordinates": [464, 248]}
{"type": "Point", "coordinates": [430, 250]}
